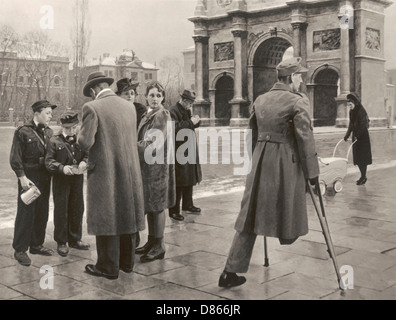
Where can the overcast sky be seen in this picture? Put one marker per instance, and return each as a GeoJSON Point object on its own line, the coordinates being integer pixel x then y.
{"type": "Point", "coordinates": [152, 28]}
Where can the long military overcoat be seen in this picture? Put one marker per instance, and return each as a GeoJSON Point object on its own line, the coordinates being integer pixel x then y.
{"type": "Point", "coordinates": [115, 203]}
{"type": "Point", "coordinates": [274, 201]}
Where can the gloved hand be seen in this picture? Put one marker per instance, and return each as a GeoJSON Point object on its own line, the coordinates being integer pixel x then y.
{"type": "Point", "coordinates": [313, 181]}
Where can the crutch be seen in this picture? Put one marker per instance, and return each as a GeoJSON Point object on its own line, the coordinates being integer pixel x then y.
{"type": "Point", "coordinates": [325, 229]}
{"type": "Point", "coordinates": [266, 260]}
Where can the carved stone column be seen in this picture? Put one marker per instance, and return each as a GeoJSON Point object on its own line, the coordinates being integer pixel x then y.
{"type": "Point", "coordinates": [202, 104]}
{"type": "Point", "coordinates": [345, 79]}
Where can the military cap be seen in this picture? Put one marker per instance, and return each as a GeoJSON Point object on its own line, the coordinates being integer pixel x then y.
{"type": "Point", "coordinates": [290, 66]}
{"type": "Point", "coordinates": [126, 84]}
{"type": "Point", "coordinates": [42, 104]}
{"type": "Point", "coordinates": [69, 119]}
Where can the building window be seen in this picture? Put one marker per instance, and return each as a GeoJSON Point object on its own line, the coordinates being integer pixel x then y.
{"type": "Point", "coordinates": [193, 67]}
{"type": "Point", "coordinates": [134, 76]}
{"type": "Point", "coordinates": [148, 76]}
{"type": "Point", "coordinates": [111, 73]}
{"type": "Point", "coordinates": [57, 81]}
{"type": "Point", "coordinates": [193, 87]}
{"type": "Point", "coordinates": [106, 73]}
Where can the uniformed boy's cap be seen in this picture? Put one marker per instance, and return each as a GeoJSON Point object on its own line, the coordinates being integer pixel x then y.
{"type": "Point", "coordinates": [290, 66]}
{"type": "Point", "coordinates": [42, 104]}
{"type": "Point", "coordinates": [69, 119]}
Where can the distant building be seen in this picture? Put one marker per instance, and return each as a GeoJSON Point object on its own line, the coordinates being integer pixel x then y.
{"type": "Point", "coordinates": [126, 65]}
{"type": "Point", "coordinates": [189, 68]}
{"type": "Point", "coordinates": [23, 81]}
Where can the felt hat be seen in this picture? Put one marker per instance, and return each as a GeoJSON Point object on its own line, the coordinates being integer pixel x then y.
{"type": "Point", "coordinates": [93, 79]}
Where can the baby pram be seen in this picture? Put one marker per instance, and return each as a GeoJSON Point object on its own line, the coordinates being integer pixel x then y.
{"type": "Point", "coordinates": [333, 171]}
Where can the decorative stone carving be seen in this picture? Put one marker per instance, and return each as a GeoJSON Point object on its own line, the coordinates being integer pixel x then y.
{"type": "Point", "coordinates": [326, 40]}
{"type": "Point", "coordinates": [224, 51]}
{"type": "Point", "coordinates": [224, 3]}
{"type": "Point", "coordinates": [373, 39]}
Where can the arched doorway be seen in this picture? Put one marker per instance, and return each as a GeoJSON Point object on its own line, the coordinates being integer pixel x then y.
{"type": "Point", "coordinates": [326, 84]}
{"type": "Point", "coordinates": [266, 57]}
{"type": "Point", "coordinates": [224, 93]}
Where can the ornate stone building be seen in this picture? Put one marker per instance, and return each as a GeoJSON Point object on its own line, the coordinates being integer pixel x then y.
{"type": "Point", "coordinates": [238, 44]}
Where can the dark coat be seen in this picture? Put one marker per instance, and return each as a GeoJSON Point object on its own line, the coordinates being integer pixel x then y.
{"type": "Point", "coordinates": [57, 155]}
{"type": "Point", "coordinates": [140, 111]}
{"type": "Point", "coordinates": [158, 178]}
{"type": "Point", "coordinates": [27, 152]}
{"type": "Point", "coordinates": [274, 201]}
{"type": "Point", "coordinates": [188, 174]}
{"type": "Point", "coordinates": [115, 203]}
{"type": "Point", "coordinates": [358, 126]}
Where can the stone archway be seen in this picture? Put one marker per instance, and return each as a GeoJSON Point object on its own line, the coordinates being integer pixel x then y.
{"type": "Point", "coordinates": [224, 92]}
{"type": "Point", "coordinates": [265, 56]}
{"type": "Point", "coordinates": [325, 91]}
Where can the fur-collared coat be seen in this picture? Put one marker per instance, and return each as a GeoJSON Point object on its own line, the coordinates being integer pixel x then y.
{"type": "Point", "coordinates": [159, 182]}
{"type": "Point", "coordinates": [115, 203]}
{"type": "Point", "coordinates": [284, 157]}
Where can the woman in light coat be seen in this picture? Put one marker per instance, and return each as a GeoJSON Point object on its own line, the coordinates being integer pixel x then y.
{"type": "Point", "coordinates": [159, 183]}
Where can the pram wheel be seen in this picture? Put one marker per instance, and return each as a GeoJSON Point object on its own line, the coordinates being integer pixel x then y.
{"type": "Point", "coordinates": [338, 186]}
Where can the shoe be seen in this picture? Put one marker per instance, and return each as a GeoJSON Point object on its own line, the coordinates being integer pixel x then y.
{"type": "Point", "coordinates": [126, 269]}
{"type": "Point", "coordinates": [93, 271]}
{"type": "Point", "coordinates": [79, 245]}
{"type": "Point", "coordinates": [176, 216]}
{"type": "Point", "coordinates": [230, 279]}
{"type": "Point", "coordinates": [156, 253]}
{"type": "Point", "coordinates": [22, 258]}
{"type": "Point", "coordinates": [41, 250]}
{"type": "Point", "coordinates": [62, 249]}
{"type": "Point", "coordinates": [361, 182]}
{"type": "Point", "coordinates": [192, 210]}
{"type": "Point", "coordinates": [146, 248]}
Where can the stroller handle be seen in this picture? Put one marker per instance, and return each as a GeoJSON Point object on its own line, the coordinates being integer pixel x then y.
{"type": "Point", "coordinates": [349, 149]}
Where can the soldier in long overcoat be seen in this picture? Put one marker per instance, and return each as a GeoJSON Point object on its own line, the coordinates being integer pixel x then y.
{"type": "Point", "coordinates": [115, 203]}
{"type": "Point", "coordinates": [358, 126]}
{"type": "Point", "coordinates": [284, 158]}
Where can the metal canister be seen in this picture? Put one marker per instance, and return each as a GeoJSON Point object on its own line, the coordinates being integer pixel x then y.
{"type": "Point", "coordinates": [30, 195]}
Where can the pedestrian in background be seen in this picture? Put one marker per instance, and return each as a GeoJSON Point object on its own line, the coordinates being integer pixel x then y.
{"type": "Point", "coordinates": [27, 161]}
{"type": "Point", "coordinates": [358, 126]}
{"type": "Point", "coordinates": [115, 205]}
{"type": "Point", "coordinates": [284, 158]}
{"type": "Point", "coordinates": [189, 174]}
{"type": "Point", "coordinates": [67, 163]}
{"type": "Point", "coordinates": [126, 89]}
{"type": "Point", "coordinates": [158, 176]}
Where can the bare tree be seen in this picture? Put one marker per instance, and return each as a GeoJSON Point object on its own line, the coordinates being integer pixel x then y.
{"type": "Point", "coordinates": [170, 76]}
{"type": "Point", "coordinates": [80, 35]}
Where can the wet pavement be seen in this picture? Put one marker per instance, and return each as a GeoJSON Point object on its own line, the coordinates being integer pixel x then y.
{"type": "Point", "coordinates": [362, 221]}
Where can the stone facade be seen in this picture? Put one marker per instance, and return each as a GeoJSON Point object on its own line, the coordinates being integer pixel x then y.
{"type": "Point", "coordinates": [238, 43]}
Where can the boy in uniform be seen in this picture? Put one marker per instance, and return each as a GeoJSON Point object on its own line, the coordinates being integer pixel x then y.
{"type": "Point", "coordinates": [67, 163]}
{"type": "Point", "coordinates": [27, 161]}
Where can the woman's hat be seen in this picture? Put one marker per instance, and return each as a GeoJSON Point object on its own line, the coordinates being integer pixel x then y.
{"type": "Point", "coordinates": [93, 79]}
{"type": "Point", "coordinates": [126, 84]}
{"type": "Point", "coordinates": [42, 104]}
{"type": "Point", "coordinates": [188, 95]}
{"type": "Point", "coordinates": [69, 119]}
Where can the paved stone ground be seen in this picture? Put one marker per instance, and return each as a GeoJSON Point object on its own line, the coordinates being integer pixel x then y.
{"type": "Point", "coordinates": [361, 219]}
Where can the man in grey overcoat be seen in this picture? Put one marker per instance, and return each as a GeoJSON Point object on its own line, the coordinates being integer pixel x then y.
{"type": "Point", "coordinates": [115, 203]}
{"type": "Point", "coordinates": [284, 159]}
